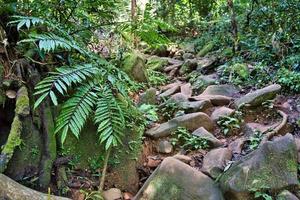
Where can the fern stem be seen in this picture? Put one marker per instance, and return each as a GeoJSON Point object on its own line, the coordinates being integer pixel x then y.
{"type": "Point", "coordinates": [102, 179]}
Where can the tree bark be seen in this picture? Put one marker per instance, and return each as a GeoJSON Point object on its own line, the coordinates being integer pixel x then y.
{"type": "Point", "coordinates": [234, 26]}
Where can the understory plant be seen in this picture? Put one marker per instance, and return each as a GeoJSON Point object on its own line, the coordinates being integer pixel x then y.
{"type": "Point", "coordinates": [229, 124]}
{"type": "Point", "coordinates": [86, 85]}
{"type": "Point", "coordinates": [187, 141]}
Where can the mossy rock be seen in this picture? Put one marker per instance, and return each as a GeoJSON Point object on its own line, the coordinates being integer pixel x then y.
{"type": "Point", "coordinates": [206, 49]}
{"type": "Point", "coordinates": [240, 69]}
{"type": "Point", "coordinates": [124, 174]}
{"type": "Point", "coordinates": [84, 150]}
{"type": "Point", "coordinates": [271, 167]}
{"type": "Point", "coordinates": [134, 66]}
{"type": "Point", "coordinates": [176, 180]}
{"type": "Point", "coordinates": [156, 63]}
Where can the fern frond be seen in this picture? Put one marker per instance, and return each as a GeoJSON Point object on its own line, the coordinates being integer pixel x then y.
{"type": "Point", "coordinates": [26, 20]}
{"type": "Point", "coordinates": [63, 78]}
{"type": "Point", "coordinates": [76, 110]}
{"type": "Point", "coordinates": [110, 119]}
{"type": "Point", "coordinates": [50, 42]}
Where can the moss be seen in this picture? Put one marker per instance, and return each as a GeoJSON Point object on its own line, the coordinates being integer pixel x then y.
{"type": "Point", "coordinates": [162, 187]}
{"type": "Point", "coordinates": [156, 63]}
{"type": "Point", "coordinates": [134, 66]}
{"type": "Point", "coordinates": [240, 69]}
{"type": "Point", "coordinates": [22, 104]}
{"type": "Point", "coordinates": [206, 49]}
{"type": "Point", "coordinates": [14, 137]}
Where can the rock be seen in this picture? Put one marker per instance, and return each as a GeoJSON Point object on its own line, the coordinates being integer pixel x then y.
{"type": "Point", "coordinates": [189, 47]}
{"type": "Point", "coordinates": [134, 66]}
{"type": "Point", "coordinates": [216, 100]}
{"type": "Point", "coordinates": [178, 98]}
{"type": "Point", "coordinates": [286, 195]}
{"type": "Point", "coordinates": [171, 85]}
{"type": "Point", "coordinates": [249, 129]}
{"type": "Point", "coordinates": [148, 97]}
{"type": "Point", "coordinates": [195, 106]}
{"type": "Point", "coordinates": [186, 89]}
{"type": "Point", "coordinates": [203, 81]}
{"type": "Point", "coordinates": [112, 194]}
{"type": "Point", "coordinates": [11, 190]}
{"type": "Point", "coordinates": [207, 63]}
{"type": "Point", "coordinates": [221, 112]}
{"type": "Point", "coordinates": [237, 145]}
{"type": "Point", "coordinates": [273, 165]}
{"type": "Point", "coordinates": [297, 140]}
{"type": "Point", "coordinates": [215, 161]}
{"type": "Point", "coordinates": [153, 162]}
{"type": "Point", "coordinates": [164, 146]}
{"type": "Point", "coordinates": [203, 133]}
{"type": "Point", "coordinates": [127, 196]}
{"type": "Point", "coordinates": [183, 158]}
{"type": "Point", "coordinates": [156, 63]}
{"type": "Point", "coordinates": [187, 56]}
{"type": "Point", "coordinates": [188, 66]}
{"type": "Point", "coordinates": [161, 50]}
{"type": "Point", "coordinates": [190, 121]}
{"type": "Point", "coordinates": [176, 180]}
{"type": "Point", "coordinates": [206, 49]}
{"type": "Point", "coordinates": [222, 90]}
{"type": "Point", "coordinates": [257, 97]}
{"type": "Point", "coordinates": [170, 91]}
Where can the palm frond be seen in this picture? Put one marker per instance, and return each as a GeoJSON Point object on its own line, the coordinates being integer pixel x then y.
{"type": "Point", "coordinates": [28, 21]}
{"type": "Point", "coordinates": [110, 119]}
{"type": "Point", "coordinates": [63, 78]}
{"type": "Point", "coordinates": [76, 110]}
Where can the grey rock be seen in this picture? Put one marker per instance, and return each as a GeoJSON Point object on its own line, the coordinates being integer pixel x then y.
{"type": "Point", "coordinates": [257, 97]}
{"type": "Point", "coordinates": [223, 90]}
{"type": "Point", "coordinates": [274, 165]}
{"type": "Point", "coordinates": [286, 195]}
{"type": "Point", "coordinates": [187, 56]}
{"type": "Point", "coordinates": [112, 194]}
{"type": "Point", "coordinates": [148, 97]}
{"type": "Point", "coordinates": [190, 121]}
{"type": "Point", "coordinates": [203, 133]}
{"type": "Point", "coordinates": [183, 158]}
{"type": "Point", "coordinates": [216, 100]}
{"type": "Point", "coordinates": [207, 63]}
{"type": "Point", "coordinates": [221, 112]}
{"type": "Point", "coordinates": [215, 161]}
{"type": "Point", "coordinates": [164, 146]}
{"type": "Point", "coordinates": [176, 180]}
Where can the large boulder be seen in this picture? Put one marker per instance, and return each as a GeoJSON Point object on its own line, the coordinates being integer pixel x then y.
{"type": "Point", "coordinates": [190, 121]}
{"type": "Point", "coordinates": [257, 97]}
{"type": "Point", "coordinates": [134, 66]}
{"type": "Point", "coordinates": [188, 66]}
{"type": "Point", "coordinates": [148, 97]}
{"type": "Point", "coordinates": [156, 63]}
{"type": "Point", "coordinates": [272, 166]}
{"type": "Point", "coordinates": [176, 180]}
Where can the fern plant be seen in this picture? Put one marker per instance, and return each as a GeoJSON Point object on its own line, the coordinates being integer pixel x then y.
{"type": "Point", "coordinates": [97, 88]}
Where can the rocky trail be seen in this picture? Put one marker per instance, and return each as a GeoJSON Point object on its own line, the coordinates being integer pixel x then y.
{"type": "Point", "coordinates": [241, 143]}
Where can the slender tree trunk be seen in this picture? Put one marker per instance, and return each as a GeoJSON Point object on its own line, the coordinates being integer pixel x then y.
{"type": "Point", "coordinates": [133, 20]}
{"type": "Point", "coordinates": [103, 174]}
{"type": "Point", "coordinates": [234, 26]}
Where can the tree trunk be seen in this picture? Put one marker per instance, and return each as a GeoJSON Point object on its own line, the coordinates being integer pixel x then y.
{"type": "Point", "coordinates": [234, 26]}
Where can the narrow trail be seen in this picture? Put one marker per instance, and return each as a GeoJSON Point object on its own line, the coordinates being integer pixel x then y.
{"type": "Point", "coordinates": [211, 128]}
